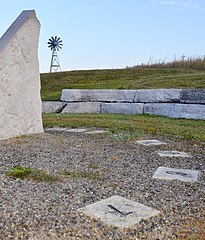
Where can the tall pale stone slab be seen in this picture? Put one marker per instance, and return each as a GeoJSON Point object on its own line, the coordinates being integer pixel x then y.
{"type": "Point", "coordinates": [20, 102]}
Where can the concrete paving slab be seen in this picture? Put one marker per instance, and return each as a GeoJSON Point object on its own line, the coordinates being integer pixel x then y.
{"type": "Point", "coordinates": [119, 212]}
{"type": "Point", "coordinates": [97, 131]}
{"type": "Point", "coordinates": [77, 130]}
{"type": "Point", "coordinates": [150, 142]}
{"type": "Point", "coordinates": [173, 154]}
{"type": "Point", "coordinates": [176, 174]}
{"type": "Point", "coordinates": [57, 129]}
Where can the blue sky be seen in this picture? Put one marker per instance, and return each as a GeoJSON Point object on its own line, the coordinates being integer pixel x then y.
{"type": "Point", "coordinates": [114, 33]}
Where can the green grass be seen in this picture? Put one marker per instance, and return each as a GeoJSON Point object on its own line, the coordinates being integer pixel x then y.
{"type": "Point", "coordinates": [128, 127]}
{"type": "Point", "coordinates": [19, 172]}
{"type": "Point", "coordinates": [42, 176]}
{"type": "Point", "coordinates": [129, 78]}
{"type": "Point", "coordinates": [132, 126]}
{"type": "Point", "coordinates": [31, 174]}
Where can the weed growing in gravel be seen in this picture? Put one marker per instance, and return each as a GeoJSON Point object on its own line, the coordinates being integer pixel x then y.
{"type": "Point", "coordinates": [19, 172]}
{"type": "Point", "coordinates": [113, 185]}
{"type": "Point", "coordinates": [92, 166]}
{"type": "Point", "coordinates": [87, 175]}
{"type": "Point", "coordinates": [33, 174]}
{"type": "Point", "coordinates": [115, 158]}
{"type": "Point", "coordinates": [126, 136]}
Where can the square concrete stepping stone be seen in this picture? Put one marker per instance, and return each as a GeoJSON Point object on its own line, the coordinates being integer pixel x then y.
{"type": "Point", "coordinates": [119, 212]}
{"type": "Point", "coordinates": [57, 129]}
{"type": "Point", "coordinates": [77, 130]}
{"type": "Point", "coordinates": [175, 173]}
{"type": "Point", "coordinates": [150, 142]}
{"type": "Point", "coordinates": [173, 154]}
{"type": "Point", "coordinates": [97, 132]}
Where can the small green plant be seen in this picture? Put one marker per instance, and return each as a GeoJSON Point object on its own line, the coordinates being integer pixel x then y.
{"type": "Point", "coordinates": [19, 172]}
{"type": "Point", "coordinates": [87, 175]}
{"type": "Point", "coordinates": [40, 175]}
{"type": "Point", "coordinates": [92, 166]}
{"type": "Point", "coordinates": [33, 174]}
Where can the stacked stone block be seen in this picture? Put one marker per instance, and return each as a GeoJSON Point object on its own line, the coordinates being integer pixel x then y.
{"type": "Point", "coordinates": [174, 103]}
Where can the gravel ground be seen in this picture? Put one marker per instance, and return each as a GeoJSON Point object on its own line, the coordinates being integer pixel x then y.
{"type": "Point", "coordinates": [48, 210]}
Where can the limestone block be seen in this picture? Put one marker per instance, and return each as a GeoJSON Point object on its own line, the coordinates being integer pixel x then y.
{"type": "Point", "coordinates": [82, 107]}
{"type": "Point", "coordinates": [173, 154]}
{"type": "Point", "coordinates": [193, 96]}
{"type": "Point", "coordinates": [97, 95]}
{"type": "Point", "coordinates": [172, 110]}
{"type": "Point", "coordinates": [151, 142]}
{"type": "Point", "coordinates": [20, 108]}
{"type": "Point", "coordinates": [119, 212]}
{"type": "Point", "coordinates": [124, 108]}
{"type": "Point", "coordinates": [157, 95]}
{"type": "Point", "coordinates": [53, 107]}
{"type": "Point", "coordinates": [176, 174]}
{"type": "Point", "coordinates": [77, 130]}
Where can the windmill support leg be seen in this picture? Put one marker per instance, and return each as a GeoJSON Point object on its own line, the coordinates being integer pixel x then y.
{"type": "Point", "coordinates": [55, 64]}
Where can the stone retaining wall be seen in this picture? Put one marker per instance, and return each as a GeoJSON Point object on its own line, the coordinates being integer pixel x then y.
{"type": "Point", "coordinates": [174, 103]}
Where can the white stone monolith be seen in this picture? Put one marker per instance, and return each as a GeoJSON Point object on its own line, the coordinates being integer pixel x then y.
{"type": "Point", "coordinates": [20, 102]}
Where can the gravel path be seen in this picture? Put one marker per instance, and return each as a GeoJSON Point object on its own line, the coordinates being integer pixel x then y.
{"type": "Point", "coordinates": [48, 210]}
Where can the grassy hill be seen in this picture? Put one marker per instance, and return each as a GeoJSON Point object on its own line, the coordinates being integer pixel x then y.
{"type": "Point", "coordinates": [128, 78]}
{"type": "Point", "coordinates": [132, 126]}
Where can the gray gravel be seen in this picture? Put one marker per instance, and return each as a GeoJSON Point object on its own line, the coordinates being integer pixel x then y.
{"type": "Point", "coordinates": [45, 210]}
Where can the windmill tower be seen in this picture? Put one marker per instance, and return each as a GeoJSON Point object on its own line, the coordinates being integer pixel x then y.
{"type": "Point", "coordinates": [55, 44]}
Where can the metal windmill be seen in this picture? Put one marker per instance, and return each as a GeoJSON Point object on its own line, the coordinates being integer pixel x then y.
{"type": "Point", "coordinates": [55, 44]}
